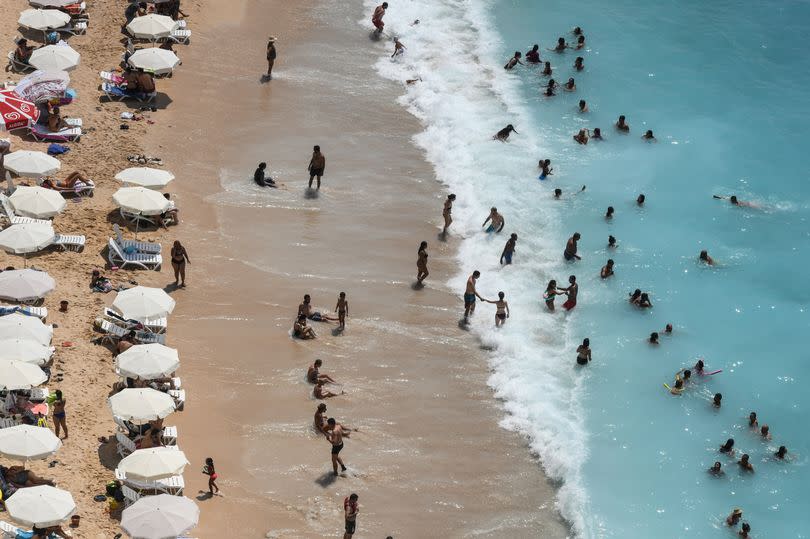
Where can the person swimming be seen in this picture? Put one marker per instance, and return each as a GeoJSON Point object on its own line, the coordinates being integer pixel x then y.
{"type": "Point", "coordinates": [611, 242]}
{"type": "Point", "coordinates": [582, 137]}
{"type": "Point", "coordinates": [717, 400]}
{"type": "Point", "coordinates": [745, 463]}
{"type": "Point", "coordinates": [583, 106]}
{"type": "Point", "coordinates": [716, 469]}
{"type": "Point", "coordinates": [503, 134]}
{"type": "Point", "coordinates": [579, 64]}
{"type": "Point", "coordinates": [580, 42]}
{"type": "Point", "coordinates": [561, 45]}
{"type": "Point", "coordinates": [699, 367]}
{"type": "Point", "coordinates": [745, 530]}
{"type": "Point", "coordinates": [597, 134]}
{"type": "Point", "coordinates": [545, 168]}
{"type": "Point", "coordinates": [765, 432]}
{"type": "Point", "coordinates": [557, 192]}
{"type": "Point", "coordinates": [635, 296]}
{"type": "Point", "coordinates": [677, 389]}
{"type": "Point", "coordinates": [668, 329]}
{"type": "Point", "coordinates": [728, 447]}
{"type": "Point", "coordinates": [781, 453]}
{"type": "Point", "coordinates": [609, 213]}
{"type": "Point", "coordinates": [736, 202]}
{"type": "Point", "coordinates": [653, 337]}
{"type": "Point", "coordinates": [513, 61]}
{"type": "Point", "coordinates": [621, 125]}
{"type": "Point", "coordinates": [640, 200]}
{"type": "Point", "coordinates": [704, 257]}
{"type": "Point", "coordinates": [734, 518]}
{"type": "Point", "coordinates": [533, 55]}
{"type": "Point", "coordinates": [570, 86]}
{"type": "Point", "coordinates": [546, 69]}
{"type": "Point", "coordinates": [648, 136]}
{"type": "Point", "coordinates": [577, 31]}
{"type": "Point", "coordinates": [607, 270]}
{"type": "Point", "coordinates": [752, 420]}
{"type": "Point", "coordinates": [644, 301]}
{"type": "Point", "coordinates": [584, 352]}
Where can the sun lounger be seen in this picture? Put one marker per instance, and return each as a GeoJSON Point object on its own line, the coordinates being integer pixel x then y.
{"type": "Point", "coordinates": [72, 133]}
{"type": "Point", "coordinates": [139, 246]}
{"type": "Point", "coordinates": [6, 422]}
{"type": "Point", "coordinates": [116, 93]}
{"type": "Point", "coordinates": [111, 77]}
{"type": "Point", "coordinates": [177, 383]}
{"type": "Point", "coordinates": [79, 189]}
{"type": "Point", "coordinates": [170, 436]}
{"type": "Point", "coordinates": [154, 325]}
{"type": "Point", "coordinates": [113, 333]}
{"type": "Point", "coordinates": [76, 27]}
{"type": "Point", "coordinates": [117, 257]}
{"type": "Point", "coordinates": [130, 496]}
{"type": "Point", "coordinates": [39, 312]}
{"type": "Point", "coordinates": [173, 485]}
{"type": "Point", "coordinates": [14, 219]}
{"type": "Point", "coordinates": [16, 65]}
{"type": "Point", "coordinates": [12, 532]}
{"type": "Point", "coordinates": [180, 36]}
{"type": "Point", "coordinates": [69, 243]}
{"type": "Point", "coordinates": [125, 446]}
{"type": "Point", "coordinates": [179, 396]}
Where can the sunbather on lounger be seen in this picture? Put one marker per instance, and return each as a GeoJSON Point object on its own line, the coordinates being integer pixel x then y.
{"type": "Point", "coordinates": [145, 82]}
{"type": "Point", "coordinates": [23, 52]}
{"type": "Point", "coordinates": [55, 120]}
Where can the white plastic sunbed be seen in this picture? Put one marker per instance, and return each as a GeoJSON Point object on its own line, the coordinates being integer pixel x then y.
{"type": "Point", "coordinates": [113, 333]}
{"type": "Point", "coordinates": [16, 65]}
{"type": "Point", "coordinates": [39, 312]}
{"type": "Point", "coordinates": [117, 257]}
{"type": "Point", "coordinates": [14, 219]}
{"type": "Point", "coordinates": [76, 27]}
{"type": "Point", "coordinates": [130, 496]}
{"type": "Point", "coordinates": [173, 485]}
{"type": "Point", "coordinates": [69, 243]}
{"type": "Point", "coordinates": [117, 93]}
{"type": "Point", "coordinates": [139, 246]}
{"type": "Point", "coordinates": [154, 325]}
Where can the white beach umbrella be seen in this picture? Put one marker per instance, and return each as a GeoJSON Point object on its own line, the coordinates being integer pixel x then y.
{"type": "Point", "coordinates": [160, 517]}
{"type": "Point", "coordinates": [43, 19]}
{"type": "Point", "coordinates": [25, 350]}
{"type": "Point", "coordinates": [141, 404]}
{"type": "Point", "coordinates": [153, 464]}
{"type": "Point", "coordinates": [20, 326]}
{"type": "Point", "coordinates": [141, 200]}
{"type": "Point", "coordinates": [40, 506]}
{"type": "Point", "coordinates": [142, 302]}
{"type": "Point", "coordinates": [147, 361]}
{"type": "Point", "coordinates": [31, 164]}
{"type": "Point", "coordinates": [154, 60]}
{"type": "Point", "coordinates": [26, 238]}
{"type": "Point", "coordinates": [54, 58]}
{"type": "Point", "coordinates": [27, 442]}
{"type": "Point", "coordinates": [16, 375]}
{"type": "Point", "coordinates": [25, 285]}
{"type": "Point", "coordinates": [151, 178]}
{"type": "Point", "coordinates": [152, 26]}
{"type": "Point", "coordinates": [37, 202]}
{"type": "Point", "coordinates": [52, 3]}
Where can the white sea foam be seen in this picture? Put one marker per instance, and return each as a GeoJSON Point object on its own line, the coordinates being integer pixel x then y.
{"type": "Point", "coordinates": [463, 98]}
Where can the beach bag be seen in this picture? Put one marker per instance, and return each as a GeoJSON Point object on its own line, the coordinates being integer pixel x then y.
{"type": "Point", "coordinates": [57, 149]}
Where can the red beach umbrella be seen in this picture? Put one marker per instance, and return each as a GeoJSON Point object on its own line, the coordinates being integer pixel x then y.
{"type": "Point", "coordinates": [16, 112]}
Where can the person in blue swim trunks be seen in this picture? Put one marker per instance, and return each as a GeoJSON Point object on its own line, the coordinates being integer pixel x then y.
{"type": "Point", "coordinates": [470, 293]}
{"type": "Point", "coordinates": [495, 220]}
{"type": "Point", "coordinates": [509, 250]}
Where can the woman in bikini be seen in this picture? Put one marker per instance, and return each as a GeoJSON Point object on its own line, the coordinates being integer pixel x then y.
{"type": "Point", "coordinates": [179, 259]}
{"type": "Point", "coordinates": [584, 352]}
{"type": "Point", "coordinates": [421, 263]}
{"type": "Point", "coordinates": [502, 310]}
{"type": "Point", "coordinates": [59, 414]}
{"type": "Point", "coordinates": [211, 472]}
{"type": "Point", "coordinates": [551, 294]}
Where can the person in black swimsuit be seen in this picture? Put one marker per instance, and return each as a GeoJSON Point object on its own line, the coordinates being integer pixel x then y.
{"type": "Point", "coordinates": [179, 259]}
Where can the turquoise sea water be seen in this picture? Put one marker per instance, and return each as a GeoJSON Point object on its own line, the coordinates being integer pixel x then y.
{"type": "Point", "coordinates": [725, 86]}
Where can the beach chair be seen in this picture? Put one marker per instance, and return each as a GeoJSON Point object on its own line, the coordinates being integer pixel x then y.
{"type": "Point", "coordinates": [6, 422]}
{"type": "Point", "coordinates": [117, 257]}
{"type": "Point", "coordinates": [8, 210]}
{"type": "Point", "coordinates": [11, 531]}
{"type": "Point", "coordinates": [170, 436]}
{"type": "Point", "coordinates": [76, 27]}
{"type": "Point", "coordinates": [39, 394]}
{"type": "Point", "coordinates": [130, 496]}
{"type": "Point", "coordinates": [39, 312]}
{"type": "Point", "coordinates": [116, 93]}
{"type": "Point", "coordinates": [139, 246]}
{"type": "Point", "coordinates": [18, 66]}
{"type": "Point", "coordinates": [179, 396]}
{"type": "Point", "coordinates": [72, 133]}
{"type": "Point", "coordinates": [177, 383]}
{"type": "Point", "coordinates": [180, 36]}
{"type": "Point", "coordinates": [124, 445]}
{"type": "Point", "coordinates": [136, 218]}
{"type": "Point", "coordinates": [154, 325]}
{"type": "Point", "coordinates": [87, 189]}
{"type": "Point", "coordinates": [113, 333]}
{"type": "Point", "coordinates": [69, 243]}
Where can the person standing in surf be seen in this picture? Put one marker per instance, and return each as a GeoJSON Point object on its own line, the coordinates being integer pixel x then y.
{"type": "Point", "coordinates": [570, 252]}
{"type": "Point", "coordinates": [501, 309]}
{"type": "Point", "coordinates": [342, 308]}
{"type": "Point", "coordinates": [271, 55]}
{"type": "Point", "coordinates": [509, 250]}
{"type": "Point", "coordinates": [316, 166]}
{"type": "Point", "coordinates": [571, 291]}
{"type": "Point", "coordinates": [447, 212]}
{"type": "Point", "coordinates": [421, 263]}
{"type": "Point", "coordinates": [503, 134]}
{"type": "Point", "coordinates": [495, 220]}
{"type": "Point", "coordinates": [377, 18]}
{"type": "Point", "coordinates": [470, 293]}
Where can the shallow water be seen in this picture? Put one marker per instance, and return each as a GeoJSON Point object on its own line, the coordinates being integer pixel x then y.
{"type": "Point", "coordinates": [724, 87]}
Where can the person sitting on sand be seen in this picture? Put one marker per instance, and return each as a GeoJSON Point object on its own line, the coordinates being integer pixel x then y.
{"type": "Point", "coordinates": [321, 393]}
{"type": "Point", "coordinates": [495, 220]}
{"type": "Point", "coordinates": [579, 64]}
{"type": "Point", "coordinates": [23, 52]}
{"type": "Point", "coordinates": [648, 136]}
{"type": "Point", "coordinates": [55, 120]}
{"type": "Point", "coordinates": [126, 342]}
{"type": "Point", "coordinates": [305, 308]}
{"type": "Point", "coordinates": [621, 125]}
{"type": "Point", "coordinates": [314, 374]}
{"type": "Point", "coordinates": [582, 137]}
{"type": "Point", "coordinates": [513, 61]}
{"type": "Point", "coordinates": [302, 330]}
{"type": "Point", "coordinates": [320, 419]}
{"type": "Point", "coordinates": [503, 134]}
{"type": "Point", "coordinates": [533, 55]}
{"type": "Point", "coordinates": [704, 257]}
{"type": "Point", "coordinates": [19, 477]}
{"type": "Point", "coordinates": [169, 217]}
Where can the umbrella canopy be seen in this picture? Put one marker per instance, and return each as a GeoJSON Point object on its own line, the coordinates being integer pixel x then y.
{"type": "Point", "coordinates": [147, 361]}
{"type": "Point", "coordinates": [160, 517]}
{"type": "Point", "coordinates": [152, 26]}
{"type": "Point", "coordinates": [142, 302]}
{"type": "Point", "coordinates": [141, 200]}
{"type": "Point", "coordinates": [27, 442]}
{"type": "Point", "coordinates": [43, 19]}
{"type": "Point", "coordinates": [141, 404]}
{"type": "Point", "coordinates": [52, 3]}
{"type": "Point", "coordinates": [154, 60]}
{"type": "Point", "coordinates": [19, 326]}
{"type": "Point", "coordinates": [153, 464]}
{"type": "Point", "coordinates": [25, 285]}
{"type": "Point", "coordinates": [152, 178]}
{"type": "Point", "coordinates": [20, 375]}
{"type": "Point", "coordinates": [54, 58]}
{"type": "Point", "coordinates": [26, 238]}
{"type": "Point", "coordinates": [31, 164]}
{"type": "Point", "coordinates": [37, 202]}
{"type": "Point", "coordinates": [40, 506]}
{"type": "Point", "coordinates": [42, 85]}
{"type": "Point", "coordinates": [25, 350]}
{"type": "Point", "coordinates": [16, 112]}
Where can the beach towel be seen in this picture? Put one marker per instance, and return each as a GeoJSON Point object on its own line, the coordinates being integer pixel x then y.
{"type": "Point", "coordinates": [57, 149]}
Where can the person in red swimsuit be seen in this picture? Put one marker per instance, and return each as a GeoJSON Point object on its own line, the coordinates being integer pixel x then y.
{"type": "Point", "coordinates": [211, 472]}
{"type": "Point", "coordinates": [377, 18]}
{"type": "Point", "coordinates": [572, 291]}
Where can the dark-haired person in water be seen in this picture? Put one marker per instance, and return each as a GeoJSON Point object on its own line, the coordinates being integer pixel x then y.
{"type": "Point", "coordinates": [584, 352]}
{"type": "Point", "coordinates": [580, 42]}
{"type": "Point", "coordinates": [648, 136]}
{"type": "Point", "coordinates": [546, 69]}
{"type": "Point", "coordinates": [607, 269]}
{"type": "Point", "coordinates": [533, 55]}
{"type": "Point", "coordinates": [545, 168]}
{"type": "Point", "coordinates": [611, 242]}
{"type": "Point", "coordinates": [551, 294]}
{"type": "Point", "coordinates": [509, 249]}
{"type": "Point", "coordinates": [582, 137]}
{"type": "Point", "coordinates": [501, 309]}
{"type": "Point", "coordinates": [495, 220]}
{"type": "Point", "coordinates": [597, 134]}
{"type": "Point", "coordinates": [470, 293]}
{"type": "Point", "coordinates": [570, 252]}
{"type": "Point", "coordinates": [579, 64]}
{"type": "Point", "coordinates": [704, 257]}
{"type": "Point", "coordinates": [377, 17]}
{"type": "Point", "coordinates": [513, 61]}
{"type": "Point", "coordinates": [447, 212]}
{"type": "Point", "coordinates": [728, 447]}
{"type": "Point", "coordinates": [583, 106]}
{"type": "Point", "coordinates": [781, 453]}
{"type": "Point", "coordinates": [609, 213]}
{"type": "Point", "coordinates": [557, 192]}
{"type": "Point", "coordinates": [745, 463]}
{"type": "Point", "coordinates": [621, 125]}
{"type": "Point", "coordinates": [653, 337]}
{"type": "Point", "coordinates": [736, 202]}
{"type": "Point", "coordinates": [316, 166]}
{"type": "Point", "coordinates": [640, 200]}
{"type": "Point", "coordinates": [716, 469]}
{"type": "Point", "coordinates": [570, 86]}
{"type": "Point", "coordinates": [561, 45]}
{"type": "Point", "coordinates": [571, 292]}
{"type": "Point", "coordinates": [421, 263]}
{"type": "Point", "coordinates": [503, 134]}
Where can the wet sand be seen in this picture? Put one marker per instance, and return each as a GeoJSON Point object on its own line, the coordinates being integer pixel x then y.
{"type": "Point", "coordinates": [429, 459]}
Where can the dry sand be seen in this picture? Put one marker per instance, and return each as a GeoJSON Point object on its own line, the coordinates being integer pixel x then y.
{"type": "Point", "coordinates": [429, 459]}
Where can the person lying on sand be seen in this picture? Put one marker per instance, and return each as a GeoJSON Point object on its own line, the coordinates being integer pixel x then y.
{"type": "Point", "coordinates": [301, 330]}
{"type": "Point", "coordinates": [314, 373]}
{"type": "Point", "coordinates": [321, 393]}
{"type": "Point", "coordinates": [21, 478]}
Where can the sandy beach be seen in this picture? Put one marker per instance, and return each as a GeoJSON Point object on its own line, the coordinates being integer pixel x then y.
{"type": "Point", "coordinates": [429, 459]}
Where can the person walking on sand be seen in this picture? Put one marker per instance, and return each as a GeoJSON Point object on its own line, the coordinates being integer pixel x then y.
{"type": "Point", "coordinates": [509, 249]}
{"type": "Point", "coordinates": [377, 18]}
{"type": "Point", "coordinates": [342, 308]}
{"type": "Point", "coordinates": [421, 263]}
{"type": "Point", "coordinates": [59, 414]}
{"type": "Point", "coordinates": [470, 293]}
{"type": "Point", "coordinates": [501, 309]}
{"type": "Point", "coordinates": [447, 212]}
{"type": "Point", "coordinates": [179, 260]}
{"type": "Point", "coordinates": [335, 437]}
{"type": "Point", "coordinates": [316, 166]}
{"type": "Point", "coordinates": [211, 472]}
{"type": "Point", "coordinates": [271, 55]}
{"type": "Point", "coordinates": [350, 510]}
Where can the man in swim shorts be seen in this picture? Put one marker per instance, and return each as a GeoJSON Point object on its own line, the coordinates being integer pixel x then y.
{"type": "Point", "coordinates": [316, 316]}
{"type": "Point", "coordinates": [470, 293]}
{"type": "Point", "coordinates": [570, 252]}
{"type": "Point", "coordinates": [335, 438]}
{"type": "Point", "coordinates": [350, 510]}
{"type": "Point", "coordinates": [495, 220]}
{"type": "Point", "coordinates": [316, 166]}
{"type": "Point", "coordinates": [571, 291]}
{"type": "Point", "coordinates": [509, 249]}
{"type": "Point", "coordinates": [377, 18]}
